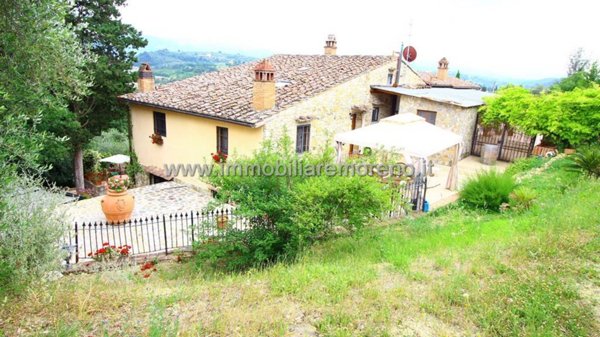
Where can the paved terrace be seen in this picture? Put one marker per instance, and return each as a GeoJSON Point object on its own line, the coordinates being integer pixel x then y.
{"type": "Point", "coordinates": [438, 195]}
{"type": "Point", "coordinates": [158, 199]}
{"type": "Point", "coordinates": [151, 235]}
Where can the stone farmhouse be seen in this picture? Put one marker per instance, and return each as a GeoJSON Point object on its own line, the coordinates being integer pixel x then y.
{"type": "Point", "coordinates": [311, 97]}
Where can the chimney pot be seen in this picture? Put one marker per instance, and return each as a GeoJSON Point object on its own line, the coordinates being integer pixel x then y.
{"type": "Point", "coordinates": [145, 82]}
{"type": "Point", "coordinates": [263, 93]}
{"type": "Point", "coordinates": [442, 72]}
{"type": "Point", "coordinates": [330, 45]}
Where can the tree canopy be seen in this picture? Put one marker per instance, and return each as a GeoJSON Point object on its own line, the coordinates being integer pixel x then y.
{"type": "Point", "coordinates": [41, 70]}
{"type": "Point", "coordinates": [567, 114]}
{"type": "Point", "coordinates": [569, 118]}
{"type": "Point", "coordinates": [110, 47]}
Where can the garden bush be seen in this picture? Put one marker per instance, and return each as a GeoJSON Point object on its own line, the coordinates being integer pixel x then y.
{"type": "Point", "coordinates": [323, 203]}
{"type": "Point", "coordinates": [30, 232]}
{"type": "Point", "coordinates": [289, 212]}
{"type": "Point", "coordinates": [91, 160]}
{"type": "Point", "coordinates": [522, 198]}
{"type": "Point", "coordinates": [488, 190]}
{"type": "Point", "coordinates": [586, 160]}
{"type": "Point", "coordinates": [238, 249]}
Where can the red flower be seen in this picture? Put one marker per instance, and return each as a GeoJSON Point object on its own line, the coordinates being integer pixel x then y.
{"type": "Point", "coordinates": [106, 244]}
{"type": "Point", "coordinates": [146, 266]}
{"type": "Point", "coordinates": [90, 254]}
{"type": "Point", "coordinates": [146, 275]}
{"type": "Point", "coordinates": [101, 251]}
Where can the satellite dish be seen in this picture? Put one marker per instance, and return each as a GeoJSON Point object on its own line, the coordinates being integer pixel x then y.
{"type": "Point", "coordinates": [409, 53]}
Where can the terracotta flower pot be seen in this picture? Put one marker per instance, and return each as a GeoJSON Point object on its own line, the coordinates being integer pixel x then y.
{"type": "Point", "coordinates": [222, 221]}
{"type": "Point", "coordinates": [117, 206]}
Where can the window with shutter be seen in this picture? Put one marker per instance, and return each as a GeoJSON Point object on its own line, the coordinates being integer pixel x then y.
{"type": "Point", "coordinates": [302, 138]}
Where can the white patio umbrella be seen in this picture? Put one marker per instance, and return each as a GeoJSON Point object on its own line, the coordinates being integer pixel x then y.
{"type": "Point", "coordinates": [116, 159]}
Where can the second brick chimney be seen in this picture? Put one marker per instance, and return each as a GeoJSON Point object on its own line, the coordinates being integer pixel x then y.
{"type": "Point", "coordinates": [442, 72]}
{"type": "Point", "coordinates": [145, 82]}
{"type": "Point", "coordinates": [330, 45]}
{"type": "Point", "coordinates": [263, 93]}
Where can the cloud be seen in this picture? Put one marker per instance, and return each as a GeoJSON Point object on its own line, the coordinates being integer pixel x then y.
{"type": "Point", "coordinates": [518, 39]}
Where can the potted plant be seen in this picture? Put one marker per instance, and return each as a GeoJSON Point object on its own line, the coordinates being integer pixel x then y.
{"type": "Point", "coordinates": [156, 139]}
{"type": "Point", "coordinates": [219, 157]}
{"type": "Point", "coordinates": [222, 221]}
{"type": "Point", "coordinates": [546, 147]}
{"type": "Point", "coordinates": [117, 204]}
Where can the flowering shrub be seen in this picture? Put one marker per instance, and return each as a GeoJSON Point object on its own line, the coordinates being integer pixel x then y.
{"type": "Point", "coordinates": [110, 252]}
{"type": "Point", "coordinates": [219, 157]}
{"type": "Point", "coordinates": [148, 268]}
{"type": "Point", "coordinates": [118, 183]}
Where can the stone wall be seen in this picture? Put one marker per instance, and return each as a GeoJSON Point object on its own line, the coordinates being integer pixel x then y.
{"type": "Point", "coordinates": [329, 113]}
{"type": "Point", "coordinates": [450, 117]}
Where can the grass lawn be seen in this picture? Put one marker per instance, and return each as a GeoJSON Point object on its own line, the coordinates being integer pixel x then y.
{"type": "Point", "coordinates": [454, 272]}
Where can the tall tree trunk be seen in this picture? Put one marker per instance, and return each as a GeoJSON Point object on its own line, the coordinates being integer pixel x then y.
{"type": "Point", "coordinates": [78, 169]}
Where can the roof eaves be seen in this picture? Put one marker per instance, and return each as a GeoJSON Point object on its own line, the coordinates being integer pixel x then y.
{"type": "Point", "coordinates": [471, 105]}
{"type": "Point", "coordinates": [188, 112]}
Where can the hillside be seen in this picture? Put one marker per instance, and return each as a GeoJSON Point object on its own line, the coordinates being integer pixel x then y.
{"type": "Point", "coordinates": [176, 65]}
{"type": "Point", "coordinates": [454, 272]}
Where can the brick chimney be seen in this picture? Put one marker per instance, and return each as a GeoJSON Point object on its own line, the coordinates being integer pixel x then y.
{"type": "Point", "coordinates": [263, 94]}
{"type": "Point", "coordinates": [145, 82]}
{"type": "Point", "coordinates": [442, 72]}
{"type": "Point", "coordinates": [330, 45]}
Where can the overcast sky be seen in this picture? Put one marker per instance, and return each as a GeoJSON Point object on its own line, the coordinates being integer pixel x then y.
{"type": "Point", "coordinates": [519, 39]}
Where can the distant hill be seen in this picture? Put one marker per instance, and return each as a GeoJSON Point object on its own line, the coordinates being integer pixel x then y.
{"type": "Point", "coordinates": [490, 82]}
{"type": "Point", "coordinates": [171, 66]}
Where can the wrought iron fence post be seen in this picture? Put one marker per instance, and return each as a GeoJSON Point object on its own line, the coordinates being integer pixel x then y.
{"type": "Point", "coordinates": [192, 222]}
{"type": "Point", "coordinates": [475, 133]}
{"type": "Point", "coordinates": [165, 232]}
{"type": "Point", "coordinates": [76, 244]}
{"type": "Point", "coordinates": [502, 141]}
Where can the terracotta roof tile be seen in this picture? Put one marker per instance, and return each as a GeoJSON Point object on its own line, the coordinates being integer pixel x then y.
{"type": "Point", "coordinates": [227, 94]}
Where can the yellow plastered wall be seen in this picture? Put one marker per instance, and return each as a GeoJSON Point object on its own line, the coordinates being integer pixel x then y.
{"type": "Point", "coordinates": [190, 139]}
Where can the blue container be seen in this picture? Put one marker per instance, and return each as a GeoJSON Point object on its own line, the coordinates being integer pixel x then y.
{"type": "Point", "coordinates": [426, 206]}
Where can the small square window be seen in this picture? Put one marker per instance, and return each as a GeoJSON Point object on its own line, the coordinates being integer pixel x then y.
{"type": "Point", "coordinates": [429, 116]}
{"type": "Point", "coordinates": [160, 123]}
{"type": "Point", "coordinates": [390, 78]}
{"type": "Point", "coordinates": [375, 115]}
